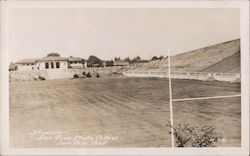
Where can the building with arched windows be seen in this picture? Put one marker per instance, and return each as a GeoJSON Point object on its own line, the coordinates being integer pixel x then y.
{"type": "Point", "coordinates": [50, 62]}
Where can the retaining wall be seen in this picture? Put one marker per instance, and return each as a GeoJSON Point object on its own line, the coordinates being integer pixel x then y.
{"type": "Point", "coordinates": [53, 74]}
{"type": "Point", "coordinates": [185, 75]}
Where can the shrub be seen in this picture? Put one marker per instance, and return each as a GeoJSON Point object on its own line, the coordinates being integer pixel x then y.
{"type": "Point", "coordinates": [188, 136]}
{"type": "Point", "coordinates": [84, 73]}
{"type": "Point", "coordinates": [205, 137]}
{"type": "Point", "coordinates": [97, 75]}
{"type": "Point", "coordinates": [41, 78]}
{"type": "Point", "coordinates": [76, 76]}
{"type": "Point", "coordinates": [183, 134]}
{"type": "Point", "coordinates": [88, 74]}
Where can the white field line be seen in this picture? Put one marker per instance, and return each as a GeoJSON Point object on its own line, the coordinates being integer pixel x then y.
{"type": "Point", "coordinates": [205, 98]}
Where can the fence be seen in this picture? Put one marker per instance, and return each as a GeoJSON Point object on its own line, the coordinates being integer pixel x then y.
{"type": "Point", "coordinates": [186, 75]}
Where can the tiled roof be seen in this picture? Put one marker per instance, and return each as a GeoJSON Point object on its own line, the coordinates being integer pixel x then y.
{"type": "Point", "coordinates": [74, 59]}
{"type": "Point", "coordinates": [26, 61]}
{"type": "Point", "coordinates": [52, 59]}
{"type": "Point", "coordinates": [57, 58]}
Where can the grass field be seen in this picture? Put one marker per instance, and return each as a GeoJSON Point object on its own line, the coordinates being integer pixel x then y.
{"type": "Point", "coordinates": [133, 110]}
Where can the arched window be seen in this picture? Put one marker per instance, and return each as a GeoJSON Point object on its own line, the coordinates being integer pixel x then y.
{"type": "Point", "coordinates": [52, 64]}
{"type": "Point", "coordinates": [57, 65]}
{"type": "Point", "coordinates": [47, 65]}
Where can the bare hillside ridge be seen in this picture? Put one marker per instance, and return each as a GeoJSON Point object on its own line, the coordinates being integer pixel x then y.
{"type": "Point", "coordinates": [196, 60]}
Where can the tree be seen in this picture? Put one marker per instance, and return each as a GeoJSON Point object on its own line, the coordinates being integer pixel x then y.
{"type": "Point", "coordinates": [137, 59]}
{"type": "Point", "coordinates": [161, 57]}
{"type": "Point", "coordinates": [154, 58]}
{"type": "Point", "coordinates": [94, 60]}
{"type": "Point", "coordinates": [109, 63]}
{"type": "Point", "coordinates": [127, 59]}
{"type": "Point", "coordinates": [53, 55]}
{"type": "Point", "coordinates": [117, 59]}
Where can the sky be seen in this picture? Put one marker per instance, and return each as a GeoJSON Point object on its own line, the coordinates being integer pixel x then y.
{"type": "Point", "coordinates": [118, 32]}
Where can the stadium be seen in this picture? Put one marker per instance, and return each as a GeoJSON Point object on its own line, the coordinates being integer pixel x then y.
{"type": "Point", "coordinates": [130, 110]}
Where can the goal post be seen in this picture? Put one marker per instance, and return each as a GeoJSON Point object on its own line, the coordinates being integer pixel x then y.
{"type": "Point", "coordinates": [170, 103]}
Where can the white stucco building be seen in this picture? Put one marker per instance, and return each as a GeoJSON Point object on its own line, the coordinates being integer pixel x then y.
{"type": "Point", "coordinates": [51, 61]}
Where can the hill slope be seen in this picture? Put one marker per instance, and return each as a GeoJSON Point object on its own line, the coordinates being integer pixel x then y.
{"type": "Point", "coordinates": [203, 59]}
{"type": "Point", "coordinates": [230, 64]}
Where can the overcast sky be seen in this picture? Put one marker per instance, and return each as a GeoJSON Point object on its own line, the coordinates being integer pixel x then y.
{"type": "Point", "coordinates": [109, 33]}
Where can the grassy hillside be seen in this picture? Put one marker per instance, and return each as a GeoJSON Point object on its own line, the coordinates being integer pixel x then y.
{"type": "Point", "coordinates": [203, 59]}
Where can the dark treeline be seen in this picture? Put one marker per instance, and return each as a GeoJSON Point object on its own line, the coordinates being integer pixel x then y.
{"type": "Point", "coordinates": [95, 61]}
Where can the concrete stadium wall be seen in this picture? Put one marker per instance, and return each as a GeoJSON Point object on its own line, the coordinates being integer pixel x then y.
{"type": "Point", "coordinates": [53, 74]}
{"type": "Point", "coordinates": [186, 75]}
{"type": "Point", "coordinates": [35, 74]}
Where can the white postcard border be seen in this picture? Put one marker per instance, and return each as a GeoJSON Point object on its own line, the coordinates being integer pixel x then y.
{"type": "Point", "coordinates": [242, 5]}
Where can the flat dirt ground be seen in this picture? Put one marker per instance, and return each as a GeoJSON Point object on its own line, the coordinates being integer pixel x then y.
{"type": "Point", "coordinates": [117, 112]}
